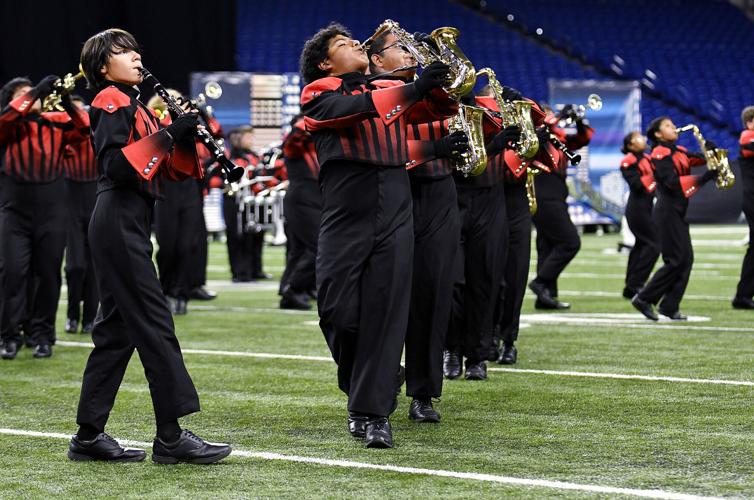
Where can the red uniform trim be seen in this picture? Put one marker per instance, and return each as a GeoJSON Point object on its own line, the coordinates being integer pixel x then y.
{"type": "Point", "coordinates": [392, 99]}
{"type": "Point", "coordinates": [111, 99]}
{"type": "Point", "coordinates": [146, 154]}
{"type": "Point", "coordinates": [747, 139]}
{"type": "Point", "coordinates": [317, 87]}
{"type": "Point", "coordinates": [660, 152]}
{"type": "Point", "coordinates": [689, 185]}
{"type": "Point", "coordinates": [649, 182]}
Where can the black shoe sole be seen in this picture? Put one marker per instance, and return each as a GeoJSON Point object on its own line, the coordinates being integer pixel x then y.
{"type": "Point", "coordinates": [452, 376]}
{"type": "Point", "coordinates": [165, 460]}
{"type": "Point", "coordinates": [8, 357]}
{"type": "Point", "coordinates": [379, 444]}
{"type": "Point", "coordinates": [476, 377]}
{"type": "Point", "coordinates": [428, 420]}
{"type": "Point", "coordinates": [80, 457]}
{"type": "Point", "coordinates": [506, 361]}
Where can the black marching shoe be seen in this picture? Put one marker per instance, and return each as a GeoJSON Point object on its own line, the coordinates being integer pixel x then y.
{"type": "Point", "coordinates": [628, 293]}
{"type": "Point", "coordinates": [421, 410]}
{"type": "Point", "coordinates": [181, 307]}
{"type": "Point", "coordinates": [43, 351]}
{"type": "Point", "coordinates": [10, 350]}
{"type": "Point", "coordinates": [476, 371]}
{"type": "Point", "coordinates": [544, 299]}
{"type": "Point", "coordinates": [201, 293]}
{"type": "Point", "coordinates": [71, 325]}
{"type": "Point", "coordinates": [189, 449]}
{"type": "Point", "coordinates": [742, 303]}
{"type": "Point", "coordinates": [451, 365]}
{"type": "Point", "coordinates": [104, 448]}
{"type": "Point", "coordinates": [87, 328]}
{"type": "Point", "coordinates": [509, 356]}
{"type": "Point", "coordinates": [295, 301]}
{"type": "Point", "coordinates": [357, 423]}
{"type": "Point", "coordinates": [644, 307]}
{"type": "Point", "coordinates": [378, 433]}
{"type": "Point", "coordinates": [675, 315]}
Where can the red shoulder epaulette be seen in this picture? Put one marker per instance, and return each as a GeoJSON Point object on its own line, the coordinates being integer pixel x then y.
{"type": "Point", "coordinates": [660, 152]}
{"type": "Point", "coordinates": [628, 160]}
{"type": "Point", "coordinates": [386, 84]}
{"type": "Point", "coordinates": [487, 102]}
{"type": "Point", "coordinates": [111, 99]}
{"type": "Point", "coordinates": [747, 137]}
{"type": "Point", "coordinates": [317, 87]}
{"type": "Point", "coordinates": [537, 115]}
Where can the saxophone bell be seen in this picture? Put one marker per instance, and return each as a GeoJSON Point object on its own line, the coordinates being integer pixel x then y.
{"type": "Point", "coordinates": [717, 159]}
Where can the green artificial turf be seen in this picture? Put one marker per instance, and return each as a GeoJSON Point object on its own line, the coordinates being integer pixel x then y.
{"type": "Point", "coordinates": [695, 438]}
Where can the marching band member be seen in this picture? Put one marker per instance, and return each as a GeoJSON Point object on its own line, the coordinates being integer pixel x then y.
{"type": "Point", "coordinates": [365, 244]}
{"type": "Point", "coordinates": [33, 210]}
{"type": "Point", "coordinates": [638, 171]}
{"type": "Point", "coordinates": [675, 184]}
{"type": "Point", "coordinates": [133, 154]}
{"type": "Point", "coordinates": [558, 240]}
{"type": "Point", "coordinates": [80, 167]}
{"type": "Point", "coordinates": [745, 289]}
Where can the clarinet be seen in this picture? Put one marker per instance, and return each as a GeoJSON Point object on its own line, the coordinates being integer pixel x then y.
{"type": "Point", "coordinates": [232, 171]}
{"type": "Point", "coordinates": [574, 158]}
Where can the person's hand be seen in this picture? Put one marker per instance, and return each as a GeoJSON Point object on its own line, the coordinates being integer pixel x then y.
{"type": "Point", "coordinates": [46, 85]}
{"type": "Point", "coordinates": [425, 38]}
{"type": "Point", "coordinates": [433, 77]}
{"type": "Point", "coordinates": [506, 137]}
{"type": "Point", "coordinates": [709, 175]}
{"type": "Point", "coordinates": [451, 145]}
{"type": "Point", "coordinates": [710, 146]}
{"type": "Point", "coordinates": [511, 94]}
{"type": "Point", "coordinates": [569, 111]}
{"type": "Point", "coordinates": [183, 126]}
{"type": "Point", "coordinates": [543, 135]}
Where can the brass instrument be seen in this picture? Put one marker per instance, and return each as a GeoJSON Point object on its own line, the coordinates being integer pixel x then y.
{"type": "Point", "coordinates": [593, 102]}
{"type": "Point", "coordinates": [462, 73]}
{"type": "Point", "coordinates": [717, 159]}
{"type": "Point", "coordinates": [515, 113]}
{"type": "Point", "coordinates": [61, 87]}
{"type": "Point", "coordinates": [469, 121]}
{"type": "Point", "coordinates": [531, 193]}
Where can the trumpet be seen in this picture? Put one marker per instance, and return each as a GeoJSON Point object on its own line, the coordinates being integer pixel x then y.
{"type": "Point", "coordinates": [61, 87]}
{"type": "Point", "coordinates": [717, 159]}
{"type": "Point", "coordinates": [462, 73]}
{"type": "Point", "coordinates": [593, 102]}
{"type": "Point", "coordinates": [232, 171]}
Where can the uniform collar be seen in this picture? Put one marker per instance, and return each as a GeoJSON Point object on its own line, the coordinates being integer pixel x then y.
{"type": "Point", "coordinates": [132, 91]}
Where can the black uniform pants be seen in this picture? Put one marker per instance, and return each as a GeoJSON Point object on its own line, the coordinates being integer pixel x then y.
{"type": "Point", "coordinates": [32, 242]}
{"type": "Point", "coordinates": [244, 246]}
{"type": "Point", "coordinates": [669, 282]}
{"type": "Point", "coordinates": [478, 270]}
{"type": "Point", "coordinates": [302, 206]}
{"type": "Point", "coordinates": [745, 289]}
{"type": "Point", "coordinates": [646, 248]}
{"type": "Point", "coordinates": [198, 276]}
{"type": "Point", "coordinates": [558, 241]}
{"type": "Point", "coordinates": [436, 235]}
{"type": "Point", "coordinates": [517, 263]}
{"type": "Point", "coordinates": [363, 272]}
{"type": "Point", "coordinates": [79, 273]}
{"type": "Point", "coordinates": [134, 315]}
{"type": "Point", "coordinates": [178, 219]}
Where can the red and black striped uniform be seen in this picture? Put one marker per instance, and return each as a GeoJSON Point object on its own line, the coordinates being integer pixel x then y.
{"type": "Point", "coordinates": [32, 214]}
{"type": "Point", "coordinates": [302, 206]}
{"type": "Point", "coordinates": [132, 152]}
{"type": "Point", "coordinates": [745, 289]}
{"type": "Point", "coordinates": [675, 184]}
{"type": "Point", "coordinates": [638, 171]}
{"type": "Point", "coordinates": [366, 236]}
{"type": "Point", "coordinates": [558, 241]}
{"type": "Point", "coordinates": [80, 167]}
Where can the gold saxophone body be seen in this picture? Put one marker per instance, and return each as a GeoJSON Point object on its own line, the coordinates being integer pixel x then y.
{"type": "Point", "coordinates": [61, 87]}
{"type": "Point", "coordinates": [717, 159]}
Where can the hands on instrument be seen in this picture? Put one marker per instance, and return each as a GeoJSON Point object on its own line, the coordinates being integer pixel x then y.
{"type": "Point", "coordinates": [543, 135]}
{"type": "Point", "coordinates": [46, 86]}
{"type": "Point", "coordinates": [433, 77]}
{"type": "Point", "coordinates": [709, 145]}
{"type": "Point", "coordinates": [511, 94]}
{"type": "Point", "coordinates": [183, 126]}
{"type": "Point", "coordinates": [505, 138]}
{"type": "Point", "coordinates": [451, 145]}
{"type": "Point", "coordinates": [709, 175]}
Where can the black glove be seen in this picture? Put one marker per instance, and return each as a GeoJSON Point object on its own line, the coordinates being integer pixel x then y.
{"type": "Point", "coordinates": [708, 176]}
{"type": "Point", "coordinates": [511, 94]}
{"type": "Point", "coordinates": [469, 99]}
{"type": "Point", "coordinates": [434, 76]}
{"type": "Point", "coordinates": [710, 146]}
{"type": "Point", "coordinates": [543, 135]}
{"type": "Point", "coordinates": [508, 135]}
{"type": "Point", "coordinates": [45, 86]}
{"type": "Point", "coordinates": [568, 111]}
{"type": "Point", "coordinates": [423, 37]}
{"type": "Point", "coordinates": [183, 126]}
{"type": "Point", "coordinates": [451, 145]}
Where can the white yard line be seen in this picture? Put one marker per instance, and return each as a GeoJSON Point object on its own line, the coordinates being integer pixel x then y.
{"type": "Point", "coordinates": [348, 464]}
{"type": "Point", "coordinates": [265, 355]}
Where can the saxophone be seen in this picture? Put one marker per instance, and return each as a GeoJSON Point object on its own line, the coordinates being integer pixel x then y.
{"type": "Point", "coordinates": [461, 81]}
{"type": "Point", "coordinates": [717, 159]}
{"type": "Point", "coordinates": [515, 113]}
{"type": "Point", "coordinates": [531, 193]}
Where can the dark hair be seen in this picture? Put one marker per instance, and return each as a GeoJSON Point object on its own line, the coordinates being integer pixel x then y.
{"type": "Point", "coordinates": [76, 97]}
{"type": "Point", "coordinates": [6, 93]}
{"type": "Point", "coordinates": [747, 114]}
{"type": "Point", "coordinates": [315, 51]}
{"type": "Point", "coordinates": [654, 126]}
{"type": "Point", "coordinates": [627, 142]}
{"type": "Point", "coordinates": [377, 46]}
{"type": "Point", "coordinates": [97, 51]}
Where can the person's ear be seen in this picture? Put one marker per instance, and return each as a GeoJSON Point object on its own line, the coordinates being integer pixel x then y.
{"type": "Point", "coordinates": [103, 69]}
{"type": "Point", "coordinates": [376, 60]}
{"type": "Point", "coordinates": [325, 65]}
